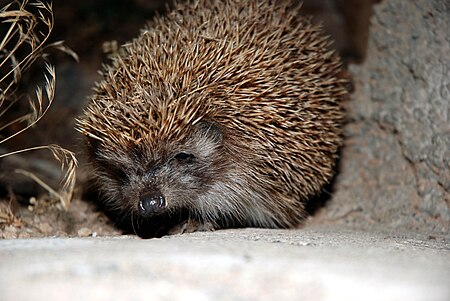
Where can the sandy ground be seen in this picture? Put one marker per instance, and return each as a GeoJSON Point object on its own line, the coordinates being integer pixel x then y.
{"type": "Point", "coordinates": [247, 264]}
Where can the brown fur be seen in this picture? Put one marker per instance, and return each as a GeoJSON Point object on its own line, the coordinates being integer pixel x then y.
{"type": "Point", "coordinates": [249, 89]}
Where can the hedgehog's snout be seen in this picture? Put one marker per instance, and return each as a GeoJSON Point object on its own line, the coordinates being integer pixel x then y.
{"type": "Point", "coordinates": [151, 203]}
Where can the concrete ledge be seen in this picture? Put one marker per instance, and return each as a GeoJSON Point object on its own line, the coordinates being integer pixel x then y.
{"type": "Point", "coordinates": [246, 264]}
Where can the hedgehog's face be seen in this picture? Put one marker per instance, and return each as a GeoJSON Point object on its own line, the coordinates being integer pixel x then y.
{"type": "Point", "coordinates": [169, 176]}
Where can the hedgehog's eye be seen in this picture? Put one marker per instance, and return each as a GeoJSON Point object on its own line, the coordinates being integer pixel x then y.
{"type": "Point", "coordinates": [116, 172]}
{"type": "Point", "coordinates": [120, 175]}
{"type": "Point", "coordinates": [184, 157]}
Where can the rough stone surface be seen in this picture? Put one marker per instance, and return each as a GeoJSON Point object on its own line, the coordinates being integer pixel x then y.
{"type": "Point", "coordinates": [247, 264]}
{"type": "Point", "coordinates": [395, 168]}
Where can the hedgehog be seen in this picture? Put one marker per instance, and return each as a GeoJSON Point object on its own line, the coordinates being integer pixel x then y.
{"type": "Point", "coordinates": [219, 114]}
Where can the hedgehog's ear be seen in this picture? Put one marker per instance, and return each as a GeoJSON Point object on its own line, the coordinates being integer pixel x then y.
{"type": "Point", "coordinates": [210, 130]}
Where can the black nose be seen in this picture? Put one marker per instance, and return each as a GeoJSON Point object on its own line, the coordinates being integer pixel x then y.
{"type": "Point", "coordinates": [151, 203]}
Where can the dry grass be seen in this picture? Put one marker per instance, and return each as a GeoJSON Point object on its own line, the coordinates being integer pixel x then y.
{"type": "Point", "coordinates": [7, 216]}
{"type": "Point", "coordinates": [28, 27]}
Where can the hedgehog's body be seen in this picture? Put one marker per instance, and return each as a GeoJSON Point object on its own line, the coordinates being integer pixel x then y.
{"type": "Point", "coordinates": [228, 111]}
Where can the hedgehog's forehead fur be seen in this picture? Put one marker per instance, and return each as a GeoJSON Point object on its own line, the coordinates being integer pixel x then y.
{"type": "Point", "coordinates": [142, 118]}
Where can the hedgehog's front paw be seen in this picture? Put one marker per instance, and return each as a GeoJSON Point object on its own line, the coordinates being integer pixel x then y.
{"type": "Point", "coordinates": [190, 226]}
